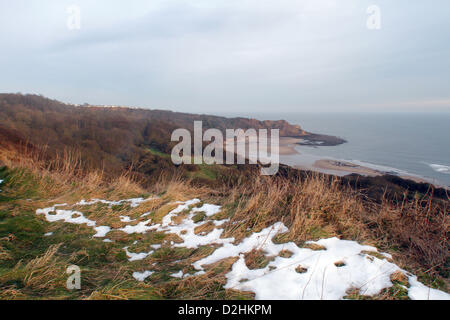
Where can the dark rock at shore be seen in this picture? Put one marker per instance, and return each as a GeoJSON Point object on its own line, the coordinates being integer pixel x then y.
{"type": "Point", "coordinates": [390, 185]}
{"type": "Point", "coordinates": [375, 188]}
{"type": "Point", "coordinates": [322, 140]}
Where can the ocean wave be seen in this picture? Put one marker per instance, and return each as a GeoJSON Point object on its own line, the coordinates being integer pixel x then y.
{"type": "Point", "coordinates": [440, 168]}
{"type": "Point", "coordinates": [378, 167]}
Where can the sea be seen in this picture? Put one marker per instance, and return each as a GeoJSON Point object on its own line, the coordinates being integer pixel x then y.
{"type": "Point", "coordinates": [416, 144]}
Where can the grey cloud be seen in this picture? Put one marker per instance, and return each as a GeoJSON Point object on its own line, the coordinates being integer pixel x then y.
{"type": "Point", "coordinates": [203, 56]}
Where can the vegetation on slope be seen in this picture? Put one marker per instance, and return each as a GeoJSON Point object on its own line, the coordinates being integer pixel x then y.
{"type": "Point", "coordinates": [53, 153]}
{"type": "Point", "coordinates": [107, 138]}
{"type": "Point", "coordinates": [32, 265]}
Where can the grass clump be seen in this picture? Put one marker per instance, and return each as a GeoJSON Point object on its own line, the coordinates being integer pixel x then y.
{"type": "Point", "coordinates": [199, 217]}
{"type": "Point", "coordinates": [339, 264]}
{"type": "Point", "coordinates": [314, 246]}
{"type": "Point", "coordinates": [257, 259]}
{"type": "Point", "coordinates": [285, 254]}
{"type": "Point", "coordinates": [300, 269]}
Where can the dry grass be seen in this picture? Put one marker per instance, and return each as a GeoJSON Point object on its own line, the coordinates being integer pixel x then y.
{"type": "Point", "coordinates": [62, 175]}
{"type": "Point", "coordinates": [42, 273]}
{"type": "Point", "coordinates": [313, 208]}
{"type": "Point", "coordinates": [399, 277]}
{"type": "Point", "coordinates": [418, 228]}
{"type": "Point", "coordinates": [209, 285]}
{"type": "Point", "coordinates": [257, 259]}
{"type": "Point", "coordinates": [205, 229]}
{"type": "Point", "coordinates": [178, 188]}
{"type": "Point", "coordinates": [414, 231]}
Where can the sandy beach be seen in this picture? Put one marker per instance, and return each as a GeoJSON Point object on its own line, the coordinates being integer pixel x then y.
{"type": "Point", "coordinates": [331, 166]}
{"type": "Point", "coordinates": [328, 166]}
{"type": "Point", "coordinates": [346, 167]}
{"type": "Point", "coordinates": [287, 146]}
{"type": "Point", "coordinates": [343, 168]}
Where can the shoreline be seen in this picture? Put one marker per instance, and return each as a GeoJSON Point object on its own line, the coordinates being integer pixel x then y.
{"type": "Point", "coordinates": [340, 167]}
{"type": "Point", "coordinates": [288, 143]}
{"type": "Point", "coordinates": [345, 168]}
{"type": "Point", "coordinates": [327, 165]}
{"type": "Point", "coordinates": [287, 146]}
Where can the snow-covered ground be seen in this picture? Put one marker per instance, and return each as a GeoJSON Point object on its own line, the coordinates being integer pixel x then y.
{"type": "Point", "coordinates": [141, 276]}
{"type": "Point", "coordinates": [302, 274]}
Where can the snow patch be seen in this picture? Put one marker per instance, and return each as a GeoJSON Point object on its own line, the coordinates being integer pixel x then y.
{"type": "Point", "coordinates": [179, 274]}
{"type": "Point", "coordinates": [141, 276]}
{"type": "Point", "coordinates": [136, 256]}
{"type": "Point", "coordinates": [324, 274]}
{"type": "Point", "coordinates": [208, 209]}
{"type": "Point", "coordinates": [68, 216]}
{"type": "Point", "coordinates": [328, 274]}
{"type": "Point", "coordinates": [101, 231]}
{"type": "Point", "coordinates": [141, 227]}
{"type": "Point", "coordinates": [75, 217]}
{"type": "Point", "coordinates": [126, 219]}
{"type": "Point", "coordinates": [186, 228]}
{"type": "Point", "coordinates": [167, 220]}
{"type": "Point", "coordinates": [135, 202]}
{"type": "Point", "coordinates": [418, 291]}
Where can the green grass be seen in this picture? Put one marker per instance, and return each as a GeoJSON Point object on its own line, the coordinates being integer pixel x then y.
{"type": "Point", "coordinates": [171, 254]}
{"type": "Point", "coordinates": [203, 171]}
{"type": "Point", "coordinates": [432, 281]}
{"type": "Point", "coordinates": [199, 217]}
{"type": "Point", "coordinates": [397, 292]}
{"type": "Point", "coordinates": [158, 153]}
{"type": "Point", "coordinates": [26, 234]}
{"type": "Point", "coordinates": [22, 240]}
{"type": "Point", "coordinates": [106, 271]}
{"type": "Point", "coordinates": [208, 171]}
{"type": "Point", "coordinates": [17, 184]}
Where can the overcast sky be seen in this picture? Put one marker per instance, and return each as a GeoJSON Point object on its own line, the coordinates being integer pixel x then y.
{"type": "Point", "coordinates": [230, 55]}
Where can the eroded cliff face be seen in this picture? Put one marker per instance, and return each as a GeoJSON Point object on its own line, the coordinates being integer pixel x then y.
{"type": "Point", "coordinates": [286, 129]}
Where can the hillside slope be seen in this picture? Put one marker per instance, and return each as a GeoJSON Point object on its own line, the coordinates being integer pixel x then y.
{"type": "Point", "coordinates": [114, 135]}
{"type": "Point", "coordinates": [95, 188]}
{"type": "Point", "coordinates": [178, 240]}
{"type": "Point", "coordinates": [271, 240]}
